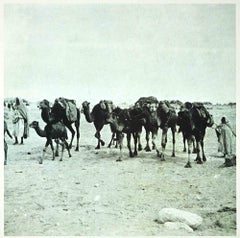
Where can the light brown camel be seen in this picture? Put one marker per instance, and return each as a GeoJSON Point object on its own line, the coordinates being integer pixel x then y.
{"type": "Point", "coordinates": [168, 119]}
{"type": "Point", "coordinates": [150, 104]}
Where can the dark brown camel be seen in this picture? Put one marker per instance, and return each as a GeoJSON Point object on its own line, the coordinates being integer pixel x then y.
{"type": "Point", "coordinates": [129, 121]}
{"type": "Point", "coordinates": [150, 104]}
{"type": "Point", "coordinates": [5, 143]}
{"type": "Point", "coordinates": [99, 116]}
{"type": "Point", "coordinates": [194, 119]}
{"type": "Point", "coordinates": [168, 119]}
{"type": "Point", "coordinates": [64, 110]}
{"type": "Point", "coordinates": [55, 131]}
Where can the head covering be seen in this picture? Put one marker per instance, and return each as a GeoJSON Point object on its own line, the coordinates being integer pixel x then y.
{"type": "Point", "coordinates": [224, 120]}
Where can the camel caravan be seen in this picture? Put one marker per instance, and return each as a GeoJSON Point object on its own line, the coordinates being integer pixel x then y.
{"type": "Point", "coordinates": [192, 119]}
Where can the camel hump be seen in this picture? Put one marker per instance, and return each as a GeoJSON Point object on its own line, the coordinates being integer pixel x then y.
{"type": "Point", "coordinates": [164, 107]}
{"type": "Point", "coordinates": [70, 107]}
{"type": "Point", "coordinates": [107, 105]}
{"type": "Point", "coordinates": [203, 113]}
{"type": "Point", "coordinates": [143, 101]}
{"type": "Point", "coordinates": [149, 102]}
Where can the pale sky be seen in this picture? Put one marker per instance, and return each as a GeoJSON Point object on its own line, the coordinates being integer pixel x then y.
{"type": "Point", "coordinates": [120, 51]}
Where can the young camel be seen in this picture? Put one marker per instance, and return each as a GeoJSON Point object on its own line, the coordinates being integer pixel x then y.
{"type": "Point", "coordinates": [54, 131]}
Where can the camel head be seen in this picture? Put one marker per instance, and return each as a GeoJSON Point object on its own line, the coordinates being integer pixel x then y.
{"type": "Point", "coordinates": [85, 106]}
{"type": "Point", "coordinates": [34, 124]}
{"type": "Point", "coordinates": [185, 120]}
{"type": "Point", "coordinates": [44, 104]}
{"type": "Point", "coordinates": [210, 121]}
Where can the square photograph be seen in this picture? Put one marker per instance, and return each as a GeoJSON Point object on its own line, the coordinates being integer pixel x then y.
{"type": "Point", "coordinates": [119, 119]}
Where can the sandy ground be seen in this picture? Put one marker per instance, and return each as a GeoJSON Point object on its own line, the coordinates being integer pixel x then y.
{"type": "Point", "coordinates": [92, 194]}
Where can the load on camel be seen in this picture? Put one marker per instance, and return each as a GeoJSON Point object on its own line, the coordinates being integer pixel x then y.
{"type": "Point", "coordinates": [129, 121]}
{"type": "Point", "coordinates": [99, 116]}
{"type": "Point", "coordinates": [64, 110]}
{"type": "Point", "coordinates": [193, 118]}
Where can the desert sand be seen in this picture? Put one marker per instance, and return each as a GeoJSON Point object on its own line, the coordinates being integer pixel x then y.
{"type": "Point", "coordinates": [92, 194]}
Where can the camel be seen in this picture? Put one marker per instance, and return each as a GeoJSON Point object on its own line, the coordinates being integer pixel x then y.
{"type": "Point", "coordinates": [5, 143]}
{"type": "Point", "coordinates": [129, 121]}
{"type": "Point", "coordinates": [64, 110]}
{"type": "Point", "coordinates": [194, 119]}
{"type": "Point", "coordinates": [150, 104]}
{"type": "Point", "coordinates": [55, 131]}
{"type": "Point", "coordinates": [168, 119]}
{"type": "Point", "coordinates": [99, 116]}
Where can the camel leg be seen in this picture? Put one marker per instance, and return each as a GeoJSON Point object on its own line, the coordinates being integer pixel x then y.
{"type": "Point", "coordinates": [52, 148]}
{"type": "Point", "coordinates": [111, 141]}
{"type": "Point", "coordinates": [173, 140]}
{"type": "Point", "coordinates": [77, 125]}
{"type": "Point", "coordinates": [57, 148]}
{"type": "Point", "coordinates": [163, 143]}
{"type": "Point", "coordinates": [194, 147]}
{"type": "Point", "coordinates": [5, 152]}
{"type": "Point", "coordinates": [67, 146]}
{"type": "Point", "coordinates": [184, 144]}
{"type": "Point", "coordinates": [189, 142]}
{"type": "Point", "coordinates": [100, 142]}
{"type": "Point", "coordinates": [198, 159]}
{"type": "Point", "coordinates": [98, 136]}
{"type": "Point", "coordinates": [129, 144]}
{"type": "Point", "coordinates": [73, 134]}
{"type": "Point", "coordinates": [78, 136]}
{"type": "Point", "coordinates": [203, 154]}
{"type": "Point", "coordinates": [147, 148]}
{"type": "Point", "coordinates": [116, 143]}
{"type": "Point", "coordinates": [120, 142]}
{"type": "Point", "coordinates": [154, 137]}
{"type": "Point", "coordinates": [139, 140]}
{"type": "Point", "coordinates": [135, 143]}
{"type": "Point", "coordinates": [62, 144]}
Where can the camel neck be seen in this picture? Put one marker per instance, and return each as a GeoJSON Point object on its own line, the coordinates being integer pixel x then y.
{"type": "Point", "coordinates": [88, 115]}
{"type": "Point", "coordinates": [45, 115]}
{"type": "Point", "coordinates": [40, 132]}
